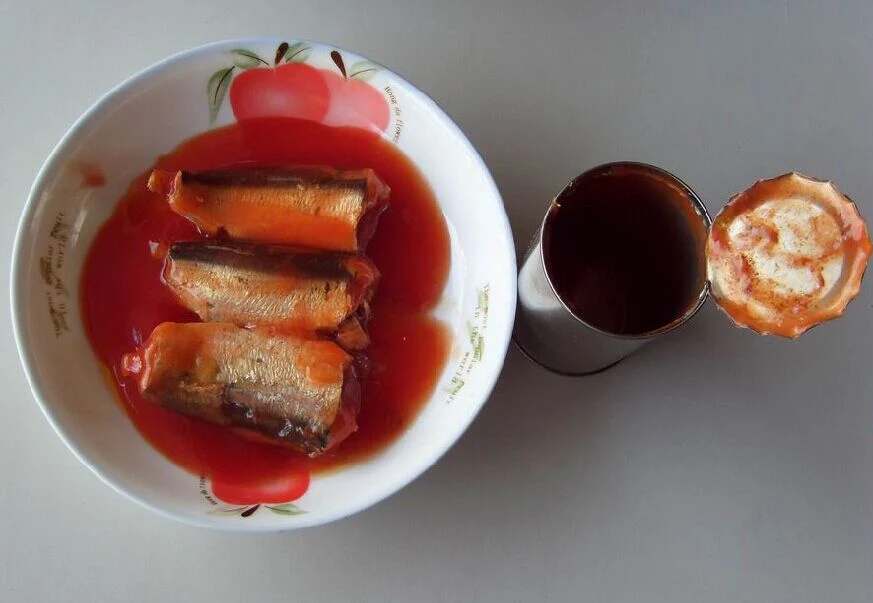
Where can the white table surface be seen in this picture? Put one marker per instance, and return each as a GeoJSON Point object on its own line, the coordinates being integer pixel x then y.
{"type": "Point", "coordinates": [713, 466]}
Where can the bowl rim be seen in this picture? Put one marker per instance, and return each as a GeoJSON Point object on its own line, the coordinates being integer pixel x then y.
{"type": "Point", "coordinates": [28, 359]}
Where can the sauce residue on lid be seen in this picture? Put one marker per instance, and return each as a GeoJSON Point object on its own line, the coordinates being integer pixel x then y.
{"type": "Point", "coordinates": [787, 254]}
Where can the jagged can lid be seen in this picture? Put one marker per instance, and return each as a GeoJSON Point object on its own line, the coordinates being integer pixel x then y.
{"type": "Point", "coordinates": [787, 254]}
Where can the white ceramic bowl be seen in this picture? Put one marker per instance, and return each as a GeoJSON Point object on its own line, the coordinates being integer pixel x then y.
{"type": "Point", "coordinates": [123, 133]}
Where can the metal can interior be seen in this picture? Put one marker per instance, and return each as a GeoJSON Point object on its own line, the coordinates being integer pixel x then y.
{"type": "Point", "coordinates": [568, 319]}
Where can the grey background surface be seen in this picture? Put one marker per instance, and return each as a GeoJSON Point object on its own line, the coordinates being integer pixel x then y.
{"type": "Point", "coordinates": [714, 466]}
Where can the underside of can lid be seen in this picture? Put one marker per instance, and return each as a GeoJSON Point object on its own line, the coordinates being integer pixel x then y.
{"type": "Point", "coordinates": [787, 254]}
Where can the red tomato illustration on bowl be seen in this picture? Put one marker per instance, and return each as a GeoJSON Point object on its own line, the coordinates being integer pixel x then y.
{"type": "Point", "coordinates": [273, 490]}
{"type": "Point", "coordinates": [354, 103]}
{"type": "Point", "coordinates": [247, 495]}
{"type": "Point", "coordinates": [288, 87]}
{"type": "Point", "coordinates": [290, 90]}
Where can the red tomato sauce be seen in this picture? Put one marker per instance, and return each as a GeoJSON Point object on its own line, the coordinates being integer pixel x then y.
{"type": "Point", "coordinates": [123, 299]}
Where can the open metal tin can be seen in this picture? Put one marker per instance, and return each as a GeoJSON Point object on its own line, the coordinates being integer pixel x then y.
{"type": "Point", "coordinates": [628, 252]}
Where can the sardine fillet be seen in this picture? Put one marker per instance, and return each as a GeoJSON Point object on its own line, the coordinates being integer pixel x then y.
{"type": "Point", "coordinates": [312, 207]}
{"type": "Point", "coordinates": [351, 334]}
{"type": "Point", "coordinates": [281, 387]}
{"type": "Point", "coordinates": [254, 285]}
